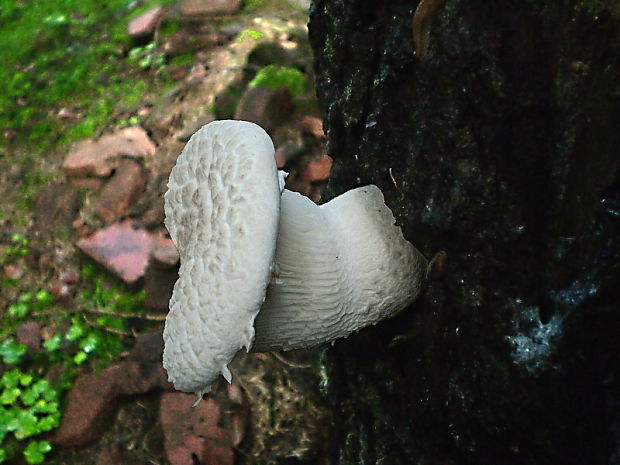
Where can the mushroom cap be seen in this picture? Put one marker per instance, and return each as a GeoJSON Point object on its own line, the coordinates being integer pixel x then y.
{"type": "Point", "coordinates": [340, 267]}
{"type": "Point", "coordinates": [222, 208]}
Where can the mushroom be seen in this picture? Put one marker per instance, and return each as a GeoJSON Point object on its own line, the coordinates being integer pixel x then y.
{"type": "Point", "coordinates": [265, 268]}
{"type": "Point", "coordinates": [339, 267]}
{"type": "Point", "coordinates": [222, 208]}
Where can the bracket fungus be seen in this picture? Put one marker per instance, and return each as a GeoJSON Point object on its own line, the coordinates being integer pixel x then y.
{"type": "Point", "coordinates": [265, 268]}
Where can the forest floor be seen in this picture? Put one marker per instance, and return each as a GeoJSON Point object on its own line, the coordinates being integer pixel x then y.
{"type": "Point", "coordinates": [97, 103]}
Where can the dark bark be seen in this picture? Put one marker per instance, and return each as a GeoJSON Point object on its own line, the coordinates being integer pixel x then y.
{"type": "Point", "coordinates": [501, 147]}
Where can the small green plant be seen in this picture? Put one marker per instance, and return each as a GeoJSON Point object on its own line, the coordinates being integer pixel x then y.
{"type": "Point", "coordinates": [30, 301]}
{"type": "Point", "coordinates": [29, 406]}
{"type": "Point", "coordinates": [251, 33]}
{"type": "Point", "coordinates": [11, 352]}
{"type": "Point", "coordinates": [131, 121]}
{"type": "Point", "coordinates": [273, 76]}
{"type": "Point", "coordinates": [36, 450]}
{"type": "Point", "coordinates": [148, 57]}
{"type": "Point", "coordinates": [92, 333]}
{"type": "Point", "coordinates": [249, 5]}
{"type": "Point", "coordinates": [182, 60]}
{"type": "Point", "coordinates": [19, 246]}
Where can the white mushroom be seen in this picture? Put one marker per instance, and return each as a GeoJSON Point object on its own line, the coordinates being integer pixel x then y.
{"type": "Point", "coordinates": [222, 208]}
{"type": "Point", "coordinates": [340, 267]}
{"type": "Point", "coordinates": [337, 268]}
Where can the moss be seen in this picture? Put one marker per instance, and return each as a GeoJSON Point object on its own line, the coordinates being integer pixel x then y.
{"type": "Point", "coordinates": [63, 54]}
{"type": "Point", "coordinates": [169, 27]}
{"type": "Point", "coordinates": [182, 60]}
{"type": "Point", "coordinates": [273, 76]}
{"type": "Point", "coordinates": [251, 5]}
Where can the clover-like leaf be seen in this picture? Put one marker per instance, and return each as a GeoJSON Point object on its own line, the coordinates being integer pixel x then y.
{"type": "Point", "coordinates": [29, 397]}
{"type": "Point", "coordinates": [27, 424]}
{"type": "Point", "coordinates": [18, 310]}
{"type": "Point", "coordinates": [51, 395]}
{"type": "Point", "coordinates": [80, 357]}
{"type": "Point", "coordinates": [43, 406]}
{"type": "Point", "coordinates": [9, 396]}
{"type": "Point", "coordinates": [8, 418]}
{"type": "Point", "coordinates": [10, 379]}
{"type": "Point", "coordinates": [35, 451]}
{"type": "Point", "coordinates": [44, 298]}
{"type": "Point", "coordinates": [49, 422]}
{"type": "Point", "coordinates": [11, 352]}
{"type": "Point", "coordinates": [25, 379]}
{"type": "Point", "coordinates": [36, 391]}
{"type": "Point", "coordinates": [75, 331]}
{"type": "Point", "coordinates": [41, 386]}
{"type": "Point", "coordinates": [53, 343]}
{"type": "Point", "coordinates": [90, 342]}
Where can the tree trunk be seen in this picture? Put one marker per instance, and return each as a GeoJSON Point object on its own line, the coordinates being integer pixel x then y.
{"type": "Point", "coordinates": [500, 147]}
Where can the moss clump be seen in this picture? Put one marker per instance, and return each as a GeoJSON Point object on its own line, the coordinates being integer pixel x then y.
{"type": "Point", "coordinates": [273, 76]}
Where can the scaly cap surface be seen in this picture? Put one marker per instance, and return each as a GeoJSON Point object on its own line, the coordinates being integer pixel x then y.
{"type": "Point", "coordinates": [222, 208]}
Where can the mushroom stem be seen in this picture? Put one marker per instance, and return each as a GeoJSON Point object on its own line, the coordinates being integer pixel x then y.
{"type": "Point", "coordinates": [339, 267]}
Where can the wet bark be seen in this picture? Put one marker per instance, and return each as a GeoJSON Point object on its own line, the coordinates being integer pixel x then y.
{"type": "Point", "coordinates": [499, 147]}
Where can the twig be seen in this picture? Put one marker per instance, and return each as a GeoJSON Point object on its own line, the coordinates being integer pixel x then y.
{"type": "Point", "coordinates": [102, 311]}
{"type": "Point", "coordinates": [286, 362]}
{"type": "Point", "coordinates": [120, 332]}
{"type": "Point", "coordinates": [145, 316]}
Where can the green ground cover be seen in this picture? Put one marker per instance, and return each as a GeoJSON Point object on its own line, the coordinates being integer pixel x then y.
{"type": "Point", "coordinates": [32, 383]}
{"type": "Point", "coordinates": [76, 55]}
{"type": "Point", "coordinates": [72, 54]}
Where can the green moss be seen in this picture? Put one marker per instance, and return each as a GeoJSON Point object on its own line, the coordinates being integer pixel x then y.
{"type": "Point", "coordinates": [251, 33]}
{"type": "Point", "coordinates": [169, 27]}
{"type": "Point", "coordinates": [250, 5]}
{"type": "Point", "coordinates": [273, 76]}
{"type": "Point", "coordinates": [64, 54]}
{"type": "Point", "coordinates": [182, 60]}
